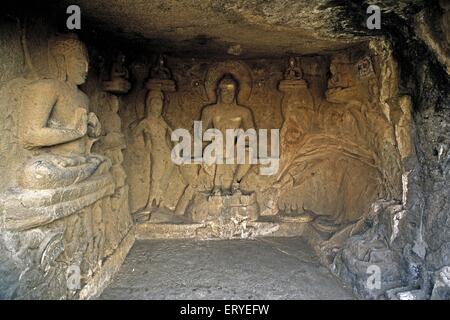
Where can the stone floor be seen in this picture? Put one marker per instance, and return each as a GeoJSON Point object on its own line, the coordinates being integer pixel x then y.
{"type": "Point", "coordinates": [266, 268]}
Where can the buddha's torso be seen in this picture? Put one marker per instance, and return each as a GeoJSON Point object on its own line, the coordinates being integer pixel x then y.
{"type": "Point", "coordinates": [227, 117]}
{"type": "Point", "coordinates": [63, 115]}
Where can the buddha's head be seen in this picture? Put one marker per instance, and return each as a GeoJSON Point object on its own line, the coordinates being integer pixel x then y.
{"type": "Point", "coordinates": [227, 89]}
{"type": "Point", "coordinates": [292, 62]}
{"type": "Point", "coordinates": [71, 59]}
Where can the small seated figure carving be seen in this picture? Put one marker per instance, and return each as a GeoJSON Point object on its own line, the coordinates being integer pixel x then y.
{"type": "Point", "coordinates": [118, 69]}
{"type": "Point", "coordinates": [160, 71]}
{"type": "Point", "coordinates": [293, 72]}
{"type": "Point", "coordinates": [119, 75]}
{"type": "Point", "coordinates": [341, 84]}
{"type": "Point", "coordinates": [56, 125]}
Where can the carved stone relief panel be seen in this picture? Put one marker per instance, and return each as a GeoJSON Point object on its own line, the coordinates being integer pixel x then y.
{"type": "Point", "coordinates": [59, 209]}
{"type": "Point", "coordinates": [338, 146]}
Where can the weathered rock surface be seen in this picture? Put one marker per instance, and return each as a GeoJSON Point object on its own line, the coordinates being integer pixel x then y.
{"type": "Point", "coordinates": [364, 136]}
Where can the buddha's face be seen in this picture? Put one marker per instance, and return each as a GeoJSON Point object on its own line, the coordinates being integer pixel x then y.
{"type": "Point", "coordinates": [227, 93]}
{"type": "Point", "coordinates": [77, 67]}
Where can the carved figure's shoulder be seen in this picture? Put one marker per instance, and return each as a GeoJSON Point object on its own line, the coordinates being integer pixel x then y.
{"type": "Point", "coordinates": [44, 86]}
{"type": "Point", "coordinates": [246, 110]}
{"type": "Point", "coordinates": [208, 109]}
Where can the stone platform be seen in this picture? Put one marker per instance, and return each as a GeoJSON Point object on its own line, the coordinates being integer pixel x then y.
{"type": "Point", "coordinates": [179, 229]}
{"type": "Point", "coordinates": [265, 268]}
{"type": "Point", "coordinates": [233, 215]}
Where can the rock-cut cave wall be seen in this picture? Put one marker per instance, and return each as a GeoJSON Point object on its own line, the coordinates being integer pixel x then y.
{"type": "Point", "coordinates": [65, 223]}
{"type": "Point", "coordinates": [417, 238]}
{"type": "Point", "coordinates": [338, 147]}
{"type": "Point", "coordinates": [364, 140]}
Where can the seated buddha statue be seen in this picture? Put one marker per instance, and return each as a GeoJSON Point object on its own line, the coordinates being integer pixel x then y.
{"type": "Point", "coordinates": [56, 125]}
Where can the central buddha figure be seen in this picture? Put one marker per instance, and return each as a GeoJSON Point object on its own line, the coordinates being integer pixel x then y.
{"type": "Point", "coordinates": [225, 114]}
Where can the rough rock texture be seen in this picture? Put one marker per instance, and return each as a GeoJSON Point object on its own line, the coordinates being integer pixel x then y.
{"type": "Point", "coordinates": [424, 74]}
{"type": "Point", "coordinates": [364, 122]}
{"type": "Point", "coordinates": [223, 28]}
{"type": "Point", "coordinates": [424, 234]}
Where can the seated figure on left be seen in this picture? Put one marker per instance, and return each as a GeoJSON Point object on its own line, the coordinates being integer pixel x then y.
{"type": "Point", "coordinates": [56, 125]}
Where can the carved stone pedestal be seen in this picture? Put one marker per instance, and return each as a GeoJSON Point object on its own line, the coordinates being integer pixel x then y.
{"type": "Point", "coordinates": [207, 207]}
{"type": "Point", "coordinates": [211, 230]}
{"type": "Point", "coordinates": [116, 86]}
{"type": "Point", "coordinates": [57, 242]}
{"type": "Point", "coordinates": [24, 209]}
{"type": "Point", "coordinates": [218, 216]}
{"type": "Point", "coordinates": [165, 85]}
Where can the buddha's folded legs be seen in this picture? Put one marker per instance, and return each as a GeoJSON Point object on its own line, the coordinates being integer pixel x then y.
{"type": "Point", "coordinates": [54, 171]}
{"type": "Point", "coordinates": [224, 175]}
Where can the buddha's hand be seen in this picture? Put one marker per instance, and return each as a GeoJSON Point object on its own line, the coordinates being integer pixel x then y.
{"type": "Point", "coordinates": [94, 128]}
{"type": "Point", "coordinates": [69, 161]}
{"type": "Point", "coordinates": [81, 119]}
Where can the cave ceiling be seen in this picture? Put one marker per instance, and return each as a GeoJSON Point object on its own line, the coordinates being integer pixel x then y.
{"type": "Point", "coordinates": [224, 28]}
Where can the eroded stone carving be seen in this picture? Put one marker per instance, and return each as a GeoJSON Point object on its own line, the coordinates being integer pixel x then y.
{"type": "Point", "coordinates": [65, 211]}
{"type": "Point", "coordinates": [57, 126]}
{"type": "Point", "coordinates": [115, 218]}
{"type": "Point", "coordinates": [403, 127]}
{"type": "Point", "coordinates": [156, 133]}
{"type": "Point", "coordinates": [207, 187]}
{"type": "Point", "coordinates": [329, 166]}
{"type": "Point", "coordinates": [118, 82]}
{"type": "Point", "coordinates": [335, 152]}
{"type": "Point", "coordinates": [293, 72]}
{"type": "Point", "coordinates": [56, 131]}
{"type": "Point", "coordinates": [160, 71]}
{"type": "Point", "coordinates": [377, 237]}
{"type": "Point", "coordinates": [223, 115]}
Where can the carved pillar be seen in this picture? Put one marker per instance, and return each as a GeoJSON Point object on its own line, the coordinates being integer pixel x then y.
{"type": "Point", "coordinates": [111, 144]}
